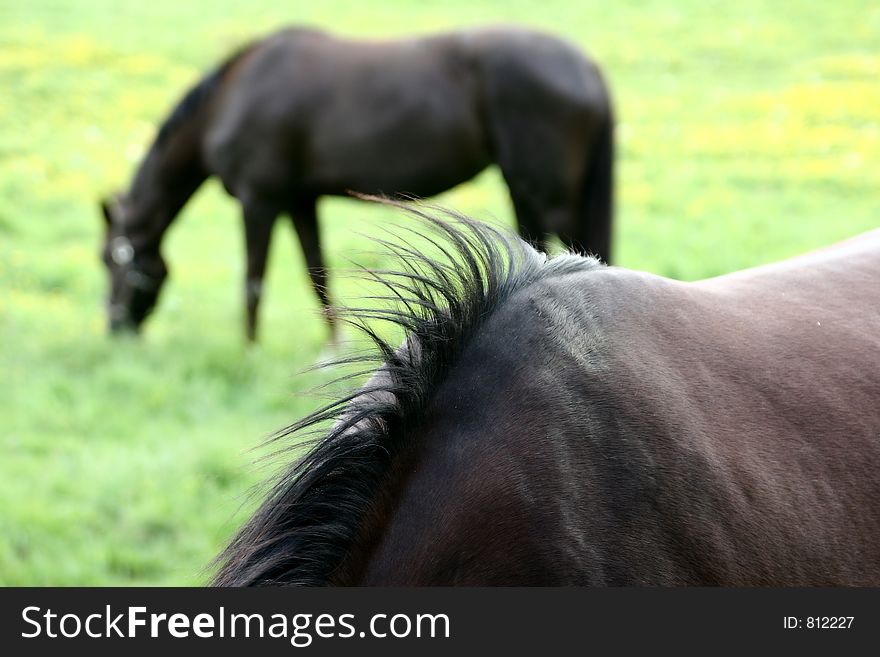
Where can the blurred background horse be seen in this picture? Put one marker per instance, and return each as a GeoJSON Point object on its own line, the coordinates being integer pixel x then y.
{"type": "Point", "coordinates": [303, 114]}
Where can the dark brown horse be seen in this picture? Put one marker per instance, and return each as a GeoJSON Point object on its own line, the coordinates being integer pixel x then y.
{"type": "Point", "coordinates": [562, 422]}
{"type": "Point", "coordinates": [303, 114]}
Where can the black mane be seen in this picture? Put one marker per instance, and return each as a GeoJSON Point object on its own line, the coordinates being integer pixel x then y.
{"type": "Point", "coordinates": [197, 96]}
{"type": "Point", "coordinates": [306, 527]}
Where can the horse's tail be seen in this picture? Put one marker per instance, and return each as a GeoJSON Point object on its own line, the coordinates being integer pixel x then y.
{"type": "Point", "coordinates": [596, 206]}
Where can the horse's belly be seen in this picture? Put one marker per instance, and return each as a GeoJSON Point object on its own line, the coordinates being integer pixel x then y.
{"type": "Point", "coordinates": [420, 148]}
{"type": "Point", "coordinates": [391, 173]}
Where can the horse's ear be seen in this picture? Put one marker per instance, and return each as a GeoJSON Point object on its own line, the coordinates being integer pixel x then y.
{"type": "Point", "coordinates": [107, 211]}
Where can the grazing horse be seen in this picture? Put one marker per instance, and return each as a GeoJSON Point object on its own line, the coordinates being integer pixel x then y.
{"type": "Point", "coordinates": [561, 422]}
{"type": "Point", "coordinates": [303, 114]}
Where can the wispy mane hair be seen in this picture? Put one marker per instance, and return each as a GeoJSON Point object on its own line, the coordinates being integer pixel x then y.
{"type": "Point", "coordinates": [309, 523]}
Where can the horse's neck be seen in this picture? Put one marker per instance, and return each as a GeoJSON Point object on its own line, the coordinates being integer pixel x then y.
{"type": "Point", "coordinates": [169, 175]}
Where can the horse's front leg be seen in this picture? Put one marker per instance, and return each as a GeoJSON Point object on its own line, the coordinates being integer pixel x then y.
{"type": "Point", "coordinates": [305, 222]}
{"type": "Point", "coordinates": [258, 222]}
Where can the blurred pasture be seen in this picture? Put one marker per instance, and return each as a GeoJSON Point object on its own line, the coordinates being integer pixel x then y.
{"type": "Point", "coordinates": [748, 131]}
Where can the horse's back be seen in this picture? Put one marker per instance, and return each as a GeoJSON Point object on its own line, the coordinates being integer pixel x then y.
{"type": "Point", "coordinates": [632, 429]}
{"type": "Point", "coordinates": [781, 360]}
{"type": "Point", "coordinates": [335, 114]}
{"type": "Point", "coordinates": [751, 405]}
{"type": "Point", "coordinates": [856, 260]}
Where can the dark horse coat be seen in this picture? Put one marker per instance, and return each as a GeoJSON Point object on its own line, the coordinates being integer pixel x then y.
{"type": "Point", "coordinates": [303, 114]}
{"type": "Point", "coordinates": [563, 422]}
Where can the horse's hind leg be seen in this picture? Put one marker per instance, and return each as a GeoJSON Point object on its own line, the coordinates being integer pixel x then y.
{"type": "Point", "coordinates": [538, 141]}
{"type": "Point", "coordinates": [305, 221]}
{"type": "Point", "coordinates": [541, 178]}
{"type": "Point", "coordinates": [591, 230]}
{"type": "Point", "coordinates": [528, 217]}
{"type": "Point", "coordinates": [259, 218]}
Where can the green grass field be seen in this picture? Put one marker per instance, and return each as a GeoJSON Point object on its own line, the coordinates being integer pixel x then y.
{"type": "Point", "coordinates": [748, 131]}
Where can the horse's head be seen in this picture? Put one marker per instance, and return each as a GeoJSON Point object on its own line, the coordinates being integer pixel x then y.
{"type": "Point", "coordinates": [136, 276]}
